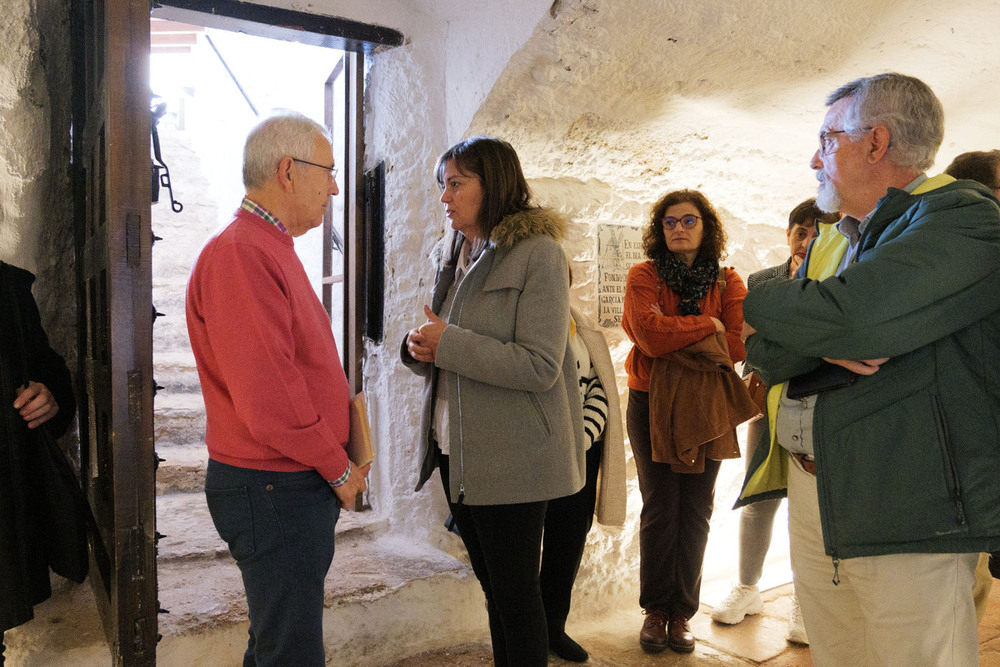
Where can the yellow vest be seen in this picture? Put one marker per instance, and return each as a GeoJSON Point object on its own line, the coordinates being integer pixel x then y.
{"type": "Point", "coordinates": [824, 257]}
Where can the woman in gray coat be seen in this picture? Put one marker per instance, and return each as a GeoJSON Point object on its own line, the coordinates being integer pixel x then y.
{"type": "Point", "coordinates": [502, 414]}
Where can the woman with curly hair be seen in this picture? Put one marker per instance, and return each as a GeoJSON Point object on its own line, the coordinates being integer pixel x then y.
{"type": "Point", "coordinates": [676, 299]}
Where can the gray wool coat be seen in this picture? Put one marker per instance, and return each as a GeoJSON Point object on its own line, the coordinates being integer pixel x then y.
{"type": "Point", "coordinates": [516, 421]}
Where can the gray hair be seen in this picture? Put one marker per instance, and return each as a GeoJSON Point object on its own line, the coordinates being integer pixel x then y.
{"type": "Point", "coordinates": [283, 134]}
{"type": "Point", "coordinates": [904, 105]}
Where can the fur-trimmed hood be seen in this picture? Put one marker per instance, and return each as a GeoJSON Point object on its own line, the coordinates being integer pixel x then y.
{"type": "Point", "coordinates": [526, 224]}
{"type": "Point", "coordinates": [516, 227]}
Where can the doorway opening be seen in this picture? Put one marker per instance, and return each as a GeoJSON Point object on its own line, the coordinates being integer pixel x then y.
{"type": "Point", "coordinates": [208, 88]}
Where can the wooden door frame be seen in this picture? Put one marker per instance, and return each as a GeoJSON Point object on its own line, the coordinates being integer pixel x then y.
{"type": "Point", "coordinates": [276, 23]}
{"type": "Point", "coordinates": [113, 238]}
{"type": "Point", "coordinates": [112, 192]}
{"type": "Point", "coordinates": [356, 40]}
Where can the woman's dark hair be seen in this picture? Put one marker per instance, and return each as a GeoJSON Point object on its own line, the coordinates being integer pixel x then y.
{"type": "Point", "coordinates": [808, 214]}
{"type": "Point", "coordinates": [713, 240]}
{"type": "Point", "coordinates": [495, 163]}
{"type": "Point", "coordinates": [979, 166]}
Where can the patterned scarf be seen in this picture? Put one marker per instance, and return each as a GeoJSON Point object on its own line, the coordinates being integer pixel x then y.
{"type": "Point", "coordinates": [690, 284]}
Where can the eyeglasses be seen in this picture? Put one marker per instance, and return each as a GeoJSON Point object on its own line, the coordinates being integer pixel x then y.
{"type": "Point", "coordinates": [332, 170]}
{"type": "Point", "coordinates": [827, 145]}
{"type": "Point", "coordinates": [687, 221]}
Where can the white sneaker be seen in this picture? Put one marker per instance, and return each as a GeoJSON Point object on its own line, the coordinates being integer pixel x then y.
{"type": "Point", "coordinates": [796, 630]}
{"type": "Point", "coordinates": [740, 602]}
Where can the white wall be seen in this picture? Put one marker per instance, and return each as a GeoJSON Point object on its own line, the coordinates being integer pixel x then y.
{"type": "Point", "coordinates": [610, 104]}
{"type": "Point", "coordinates": [35, 225]}
{"type": "Point", "coordinates": [420, 99]}
{"type": "Point", "coordinates": [727, 97]}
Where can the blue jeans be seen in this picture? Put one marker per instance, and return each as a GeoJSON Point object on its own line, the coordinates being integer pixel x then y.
{"type": "Point", "coordinates": [279, 527]}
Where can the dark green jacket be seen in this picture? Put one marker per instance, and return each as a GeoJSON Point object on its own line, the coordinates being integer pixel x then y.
{"type": "Point", "coordinates": [908, 459]}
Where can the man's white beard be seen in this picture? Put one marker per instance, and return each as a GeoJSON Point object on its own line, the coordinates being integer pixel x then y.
{"type": "Point", "coordinates": [828, 199]}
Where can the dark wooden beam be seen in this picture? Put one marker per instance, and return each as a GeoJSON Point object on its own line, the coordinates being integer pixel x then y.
{"type": "Point", "coordinates": [276, 23]}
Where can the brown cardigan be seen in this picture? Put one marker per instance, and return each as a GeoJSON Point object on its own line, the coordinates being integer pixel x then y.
{"type": "Point", "coordinates": [696, 401]}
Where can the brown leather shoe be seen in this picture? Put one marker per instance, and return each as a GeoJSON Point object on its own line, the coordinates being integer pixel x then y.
{"type": "Point", "coordinates": [653, 636]}
{"type": "Point", "coordinates": [679, 637]}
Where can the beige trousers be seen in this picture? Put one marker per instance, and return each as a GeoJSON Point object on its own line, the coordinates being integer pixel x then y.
{"type": "Point", "coordinates": [900, 610]}
{"type": "Point", "coordinates": [982, 587]}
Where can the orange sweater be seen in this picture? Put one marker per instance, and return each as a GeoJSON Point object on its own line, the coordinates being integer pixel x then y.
{"type": "Point", "coordinates": [658, 335]}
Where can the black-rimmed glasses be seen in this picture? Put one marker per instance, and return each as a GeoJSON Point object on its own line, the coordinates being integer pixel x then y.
{"type": "Point", "coordinates": [332, 170]}
{"type": "Point", "coordinates": [687, 221]}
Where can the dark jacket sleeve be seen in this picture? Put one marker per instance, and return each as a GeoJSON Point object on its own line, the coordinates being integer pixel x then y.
{"type": "Point", "coordinates": [448, 249]}
{"type": "Point", "coordinates": [42, 363]}
{"type": "Point", "coordinates": [421, 368]}
{"type": "Point", "coordinates": [775, 363]}
{"type": "Point", "coordinates": [770, 273]}
{"type": "Point", "coordinates": [934, 270]}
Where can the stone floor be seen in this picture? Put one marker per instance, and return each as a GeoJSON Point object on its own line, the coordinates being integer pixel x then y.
{"type": "Point", "coordinates": [759, 640]}
{"type": "Point", "coordinates": [383, 596]}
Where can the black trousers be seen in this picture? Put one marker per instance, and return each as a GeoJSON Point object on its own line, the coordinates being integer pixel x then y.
{"type": "Point", "coordinates": [673, 524]}
{"type": "Point", "coordinates": [567, 522]}
{"type": "Point", "coordinates": [504, 544]}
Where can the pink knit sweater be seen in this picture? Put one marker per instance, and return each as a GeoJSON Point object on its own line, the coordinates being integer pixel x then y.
{"type": "Point", "coordinates": [275, 393]}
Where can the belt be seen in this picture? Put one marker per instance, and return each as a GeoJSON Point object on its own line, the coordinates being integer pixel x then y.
{"type": "Point", "coordinates": [809, 465]}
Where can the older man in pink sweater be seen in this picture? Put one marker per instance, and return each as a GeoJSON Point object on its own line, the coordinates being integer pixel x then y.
{"type": "Point", "coordinates": [275, 393]}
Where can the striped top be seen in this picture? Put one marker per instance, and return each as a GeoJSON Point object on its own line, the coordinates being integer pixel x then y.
{"type": "Point", "coordinates": [595, 401]}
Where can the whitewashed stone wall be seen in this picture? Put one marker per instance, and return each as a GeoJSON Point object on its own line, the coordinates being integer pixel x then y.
{"type": "Point", "coordinates": [421, 98]}
{"type": "Point", "coordinates": [35, 226]}
{"type": "Point", "coordinates": [610, 104]}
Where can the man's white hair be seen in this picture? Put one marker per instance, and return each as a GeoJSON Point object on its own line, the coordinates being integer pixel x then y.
{"type": "Point", "coordinates": [284, 133]}
{"type": "Point", "coordinates": [904, 105]}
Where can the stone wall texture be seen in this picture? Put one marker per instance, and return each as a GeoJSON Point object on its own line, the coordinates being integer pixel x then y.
{"type": "Point", "coordinates": [610, 103]}
{"type": "Point", "coordinates": [35, 226]}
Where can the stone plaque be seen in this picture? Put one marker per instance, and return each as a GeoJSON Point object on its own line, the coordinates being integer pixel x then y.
{"type": "Point", "coordinates": [618, 248]}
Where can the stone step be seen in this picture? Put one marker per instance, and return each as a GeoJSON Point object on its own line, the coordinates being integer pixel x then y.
{"type": "Point", "coordinates": [187, 529]}
{"type": "Point", "coordinates": [170, 333]}
{"type": "Point", "coordinates": [178, 418]}
{"type": "Point", "coordinates": [377, 598]}
{"type": "Point", "coordinates": [169, 294]}
{"type": "Point", "coordinates": [176, 371]}
{"type": "Point", "coordinates": [182, 469]}
{"type": "Point", "coordinates": [382, 601]}
{"type": "Point", "coordinates": [190, 535]}
{"type": "Point", "coordinates": [377, 583]}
